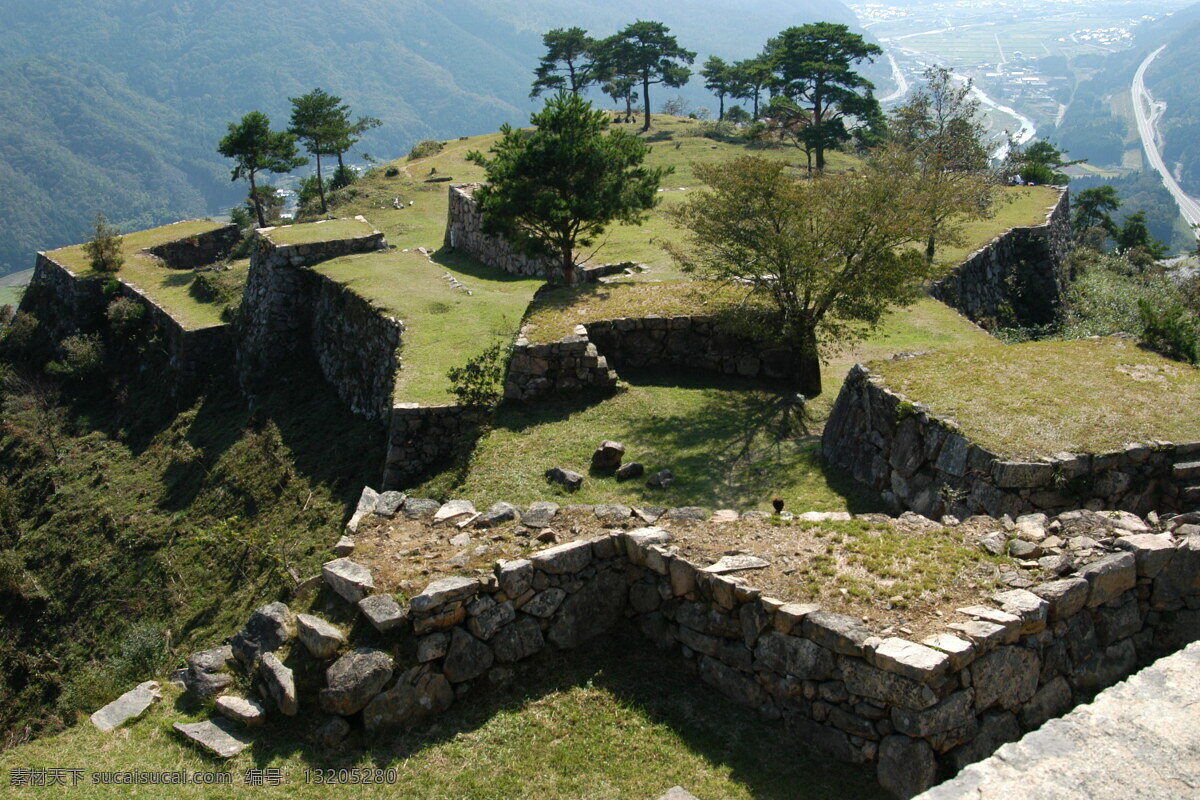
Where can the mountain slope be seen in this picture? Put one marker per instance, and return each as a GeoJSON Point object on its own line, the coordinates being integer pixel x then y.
{"type": "Point", "coordinates": [117, 105]}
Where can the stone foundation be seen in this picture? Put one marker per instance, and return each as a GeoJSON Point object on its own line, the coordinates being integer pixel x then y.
{"type": "Point", "coordinates": [200, 250]}
{"type": "Point", "coordinates": [925, 463]}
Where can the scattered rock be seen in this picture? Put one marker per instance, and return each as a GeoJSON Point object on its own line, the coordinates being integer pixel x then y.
{"type": "Point", "coordinates": [737, 564]}
{"type": "Point", "coordinates": [443, 591]}
{"type": "Point", "coordinates": [995, 543]}
{"type": "Point", "coordinates": [130, 705]}
{"type": "Point", "coordinates": [354, 679]}
{"type": "Point", "coordinates": [332, 732]}
{"type": "Point", "coordinates": [467, 657]}
{"type": "Point", "coordinates": [207, 672]}
{"type": "Point", "coordinates": [453, 511]}
{"type": "Point", "coordinates": [460, 540]}
{"type": "Point", "coordinates": [539, 515]}
{"type": "Point", "coordinates": [389, 503]}
{"type": "Point", "coordinates": [269, 628]}
{"type": "Point", "coordinates": [280, 684]}
{"type": "Point", "coordinates": [344, 547]}
{"type": "Point", "coordinates": [420, 507]}
{"type": "Point", "coordinates": [613, 514]}
{"type": "Point", "coordinates": [693, 513]}
{"type": "Point", "coordinates": [351, 580]}
{"type": "Point", "coordinates": [725, 515]}
{"type": "Point", "coordinates": [649, 514]}
{"type": "Point", "coordinates": [367, 502]}
{"type": "Point", "coordinates": [661, 479]}
{"type": "Point", "coordinates": [608, 456]}
{"type": "Point", "coordinates": [568, 479]}
{"type": "Point", "coordinates": [634, 469]}
{"type": "Point", "coordinates": [216, 736]}
{"type": "Point", "coordinates": [498, 514]}
{"type": "Point", "coordinates": [319, 637]}
{"type": "Point", "coordinates": [383, 612]}
{"type": "Point", "coordinates": [242, 709]}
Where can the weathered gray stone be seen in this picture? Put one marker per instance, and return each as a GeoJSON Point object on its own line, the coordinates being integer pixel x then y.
{"type": "Point", "coordinates": [383, 612]}
{"type": "Point", "coordinates": [331, 733]}
{"type": "Point", "coordinates": [789, 617]}
{"type": "Point", "coordinates": [1050, 701]}
{"type": "Point", "coordinates": [269, 628]}
{"type": "Point", "coordinates": [1114, 624]}
{"type": "Point", "coordinates": [634, 469]}
{"type": "Point", "coordinates": [1065, 596]}
{"type": "Point", "coordinates": [912, 660]}
{"type": "Point", "coordinates": [608, 456]}
{"type": "Point", "coordinates": [1007, 676]}
{"type": "Point", "coordinates": [219, 737]}
{"type": "Point", "coordinates": [1033, 610]}
{"type": "Point", "coordinates": [836, 632]}
{"type": "Point", "coordinates": [906, 766]}
{"type": "Point", "coordinates": [498, 514]}
{"type": "Point", "coordinates": [351, 580]}
{"type": "Point", "coordinates": [130, 705]}
{"type": "Point", "coordinates": [732, 683]}
{"type": "Point", "coordinates": [677, 793]}
{"type": "Point", "coordinates": [791, 655]}
{"type": "Point", "coordinates": [343, 547]}
{"type": "Point", "coordinates": [863, 679]}
{"type": "Point", "coordinates": [245, 710]}
{"type": "Point", "coordinates": [566, 478]}
{"type": "Point", "coordinates": [1022, 474]}
{"type": "Point", "coordinates": [519, 640]}
{"type": "Point", "coordinates": [207, 673]}
{"type": "Point", "coordinates": [1181, 576]}
{"type": "Point", "coordinates": [960, 651]}
{"type": "Point", "coordinates": [956, 711]}
{"type": "Point", "coordinates": [995, 728]}
{"type": "Point", "coordinates": [395, 708]}
{"type": "Point", "coordinates": [661, 479]}
{"type": "Point", "coordinates": [389, 503]}
{"type": "Point", "coordinates": [1109, 577]}
{"type": "Point", "coordinates": [485, 622]}
{"type": "Point", "coordinates": [564, 559]}
{"type": "Point", "coordinates": [539, 515]}
{"type": "Point", "coordinates": [467, 657]}
{"type": "Point", "coordinates": [453, 511]}
{"type": "Point", "coordinates": [589, 612]}
{"type": "Point", "coordinates": [432, 646]}
{"type": "Point", "coordinates": [1151, 551]}
{"type": "Point", "coordinates": [318, 636]}
{"type": "Point", "coordinates": [995, 543]}
{"type": "Point", "coordinates": [420, 507]}
{"type": "Point", "coordinates": [354, 679]}
{"type": "Point", "coordinates": [690, 513]}
{"type": "Point", "coordinates": [367, 503]}
{"type": "Point", "coordinates": [442, 591]}
{"type": "Point", "coordinates": [984, 635]}
{"type": "Point", "coordinates": [545, 603]}
{"type": "Point", "coordinates": [736, 564]}
{"type": "Point", "coordinates": [280, 684]}
{"type": "Point", "coordinates": [515, 577]}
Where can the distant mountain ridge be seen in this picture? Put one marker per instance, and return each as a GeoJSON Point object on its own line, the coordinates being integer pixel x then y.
{"type": "Point", "coordinates": [116, 105]}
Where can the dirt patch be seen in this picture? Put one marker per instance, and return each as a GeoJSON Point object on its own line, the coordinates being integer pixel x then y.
{"type": "Point", "coordinates": [903, 576]}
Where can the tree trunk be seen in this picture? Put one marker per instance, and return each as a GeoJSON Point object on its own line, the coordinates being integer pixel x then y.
{"type": "Point", "coordinates": [930, 248]}
{"type": "Point", "coordinates": [646, 102]}
{"type": "Point", "coordinates": [262, 220]}
{"type": "Point", "coordinates": [757, 92]}
{"type": "Point", "coordinates": [321, 184]}
{"type": "Point", "coordinates": [721, 112]}
{"type": "Point", "coordinates": [808, 378]}
{"type": "Point", "coordinates": [820, 148]}
{"type": "Point", "coordinates": [568, 266]}
{"type": "Point", "coordinates": [628, 108]}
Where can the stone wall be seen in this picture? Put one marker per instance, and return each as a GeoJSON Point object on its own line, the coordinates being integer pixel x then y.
{"type": "Point", "coordinates": [925, 463]}
{"type": "Point", "coordinates": [422, 437]}
{"type": "Point", "coordinates": [287, 307]}
{"type": "Point", "coordinates": [66, 304]}
{"type": "Point", "coordinates": [1016, 280]}
{"type": "Point", "coordinates": [199, 250]}
{"type": "Point", "coordinates": [589, 357]}
{"type": "Point", "coordinates": [918, 710]}
{"type": "Point", "coordinates": [464, 232]}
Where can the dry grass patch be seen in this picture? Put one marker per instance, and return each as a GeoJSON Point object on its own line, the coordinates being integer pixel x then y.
{"type": "Point", "coordinates": [1039, 398]}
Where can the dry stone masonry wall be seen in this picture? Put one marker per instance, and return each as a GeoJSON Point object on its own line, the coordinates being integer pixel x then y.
{"type": "Point", "coordinates": [919, 711]}
{"type": "Point", "coordinates": [287, 306]}
{"type": "Point", "coordinates": [1016, 280]}
{"type": "Point", "coordinates": [199, 250]}
{"type": "Point", "coordinates": [925, 463]}
{"type": "Point", "coordinates": [464, 231]}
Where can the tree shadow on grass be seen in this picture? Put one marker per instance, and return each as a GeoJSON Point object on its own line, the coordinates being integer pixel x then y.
{"type": "Point", "coordinates": [464, 264]}
{"type": "Point", "coordinates": [660, 688]}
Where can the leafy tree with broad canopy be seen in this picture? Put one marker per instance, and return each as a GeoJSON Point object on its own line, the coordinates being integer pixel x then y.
{"type": "Point", "coordinates": [318, 120]}
{"type": "Point", "coordinates": [649, 51]}
{"type": "Point", "coordinates": [569, 62]}
{"type": "Point", "coordinates": [557, 187]}
{"type": "Point", "coordinates": [1093, 209]}
{"type": "Point", "coordinates": [813, 67]}
{"type": "Point", "coordinates": [824, 256]}
{"type": "Point", "coordinates": [255, 148]}
{"type": "Point", "coordinates": [941, 127]}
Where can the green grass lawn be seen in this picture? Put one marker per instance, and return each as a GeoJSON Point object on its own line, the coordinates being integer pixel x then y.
{"type": "Point", "coordinates": [11, 296]}
{"type": "Point", "coordinates": [1041, 398]}
{"type": "Point", "coordinates": [1018, 206]}
{"type": "Point", "coordinates": [731, 443]}
{"type": "Point", "coordinates": [443, 326]}
{"type": "Point", "coordinates": [603, 722]}
{"type": "Point", "coordinates": [170, 288]}
{"type": "Point", "coordinates": [321, 231]}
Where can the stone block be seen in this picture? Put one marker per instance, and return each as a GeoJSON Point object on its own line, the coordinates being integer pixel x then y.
{"type": "Point", "coordinates": [280, 684]}
{"type": "Point", "coordinates": [442, 591]}
{"type": "Point", "coordinates": [1066, 596]}
{"type": "Point", "coordinates": [1109, 577]}
{"type": "Point", "coordinates": [351, 580]}
{"type": "Point", "coordinates": [563, 559]}
{"type": "Point", "coordinates": [906, 766]}
{"type": "Point", "coordinates": [912, 660]}
{"type": "Point", "coordinates": [889, 688]}
{"type": "Point", "coordinates": [1031, 609]}
{"type": "Point", "coordinates": [130, 705]}
{"type": "Point", "coordinates": [218, 737]}
{"type": "Point", "coordinates": [318, 636]}
{"type": "Point", "coordinates": [836, 632]}
{"type": "Point", "coordinates": [956, 711]}
{"type": "Point", "coordinates": [383, 612]}
{"type": "Point", "coordinates": [791, 655]}
{"type": "Point", "coordinates": [1151, 552]}
{"type": "Point", "coordinates": [1007, 676]}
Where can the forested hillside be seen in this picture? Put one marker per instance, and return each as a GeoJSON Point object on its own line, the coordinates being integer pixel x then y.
{"type": "Point", "coordinates": [117, 105]}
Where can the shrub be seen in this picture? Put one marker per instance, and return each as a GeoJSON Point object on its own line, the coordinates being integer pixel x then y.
{"type": "Point", "coordinates": [104, 248]}
{"type": "Point", "coordinates": [391, 172]}
{"type": "Point", "coordinates": [82, 356]}
{"type": "Point", "coordinates": [424, 149]}
{"type": "Point", "coordinates": [478, 382]}
{"type": "Point", "coordinates": [125, 315]}
{"type": "Point", "coordinates": [1104, 297]}
{"type": "Point", "coordinates": [1171, 330]}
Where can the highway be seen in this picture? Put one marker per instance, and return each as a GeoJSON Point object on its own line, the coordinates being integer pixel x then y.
{"type": "Point", "coordinates": [1147, 113]}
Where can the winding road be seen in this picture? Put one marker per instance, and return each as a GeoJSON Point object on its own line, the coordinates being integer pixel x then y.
{"type": "Point", "coordinates": [1148, 112]}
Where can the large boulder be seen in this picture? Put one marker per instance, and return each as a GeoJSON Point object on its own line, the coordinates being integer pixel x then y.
{"type": "Point", "coordinates": [130, 705]}
{"type": "Point", "coordinates": [467, 657]}
{"type": "Point", "coordinates": [320, 637]}
{"type": "Point", "coordinates": [280, 684]}
{"type": "Point", "coordinates": [566, 478]}
{"type": "Point", "coordinates": [608, 456]}
{"type": "Point", "coordinates": [354, 679]}
{"type": "Point", "coordinates": [207, 672]}
{"type": "Point", "coordinates": [351, 580]}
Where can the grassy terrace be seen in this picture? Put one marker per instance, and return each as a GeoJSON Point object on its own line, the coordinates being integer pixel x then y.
{"type": "Point", "coordinates": [1041, 398]}
{"type": "Point", "coordinates": [732, 443]}
{"type": "Point", "coordinates": [594, 724]}
{"type": "Point", "coordinates": [321, 231]}
{"type": "Point", "coordinates": [170, 288]}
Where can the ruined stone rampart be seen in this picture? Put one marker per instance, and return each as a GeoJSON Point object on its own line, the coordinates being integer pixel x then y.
{"type": "Point", "coordinates": [925, 463]}
{"type": "Point", "coordinates": [199, 250]}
